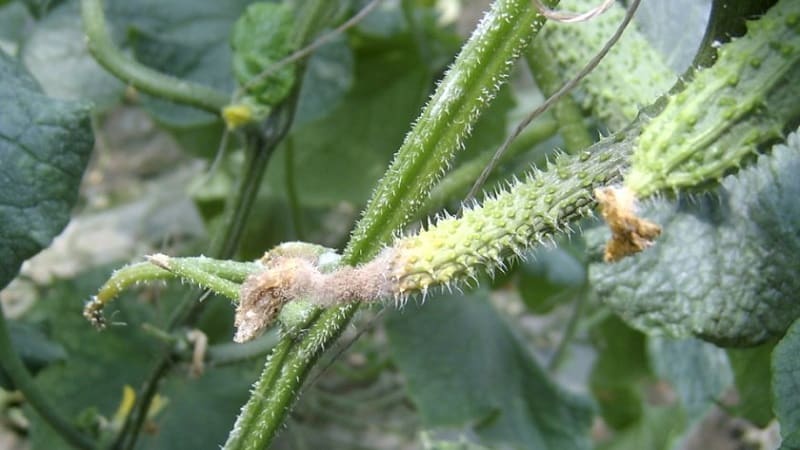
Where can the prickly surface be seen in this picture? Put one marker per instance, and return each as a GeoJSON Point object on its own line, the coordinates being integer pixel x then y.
{"type": "Point", "coordinates": [527, 213]}
{"type": "Point", "coordinates": [745, 99]}
{"type": "Point", "coordinates": [466, 91]}
{"type": "Point", "coordinates": [632, 74]}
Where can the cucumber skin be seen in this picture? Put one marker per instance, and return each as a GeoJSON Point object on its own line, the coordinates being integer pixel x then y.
{"type": "Point", "coordinates": [529, 212]}
{"type": "Point", "coordinates": [631, 75]}
{"type": "Point", "coordinates": [727, 111]}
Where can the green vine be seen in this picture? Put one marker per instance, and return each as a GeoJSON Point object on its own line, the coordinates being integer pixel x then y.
{"type": "Point", "coordinates": [139, 75]}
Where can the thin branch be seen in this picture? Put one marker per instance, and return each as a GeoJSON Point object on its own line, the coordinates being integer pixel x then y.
{"type": "Point", "coordinates": [138, 75]}
{"type": "Point", "coordinates": [569, 332]}
{"type": "Point", "coordinates": [568, 86]}
{"type": "Point", "coordinates": [570, 17]}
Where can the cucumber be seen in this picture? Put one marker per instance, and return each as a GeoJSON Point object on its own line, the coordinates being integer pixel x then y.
{"type": "Point", "coordinates": [746, 99]}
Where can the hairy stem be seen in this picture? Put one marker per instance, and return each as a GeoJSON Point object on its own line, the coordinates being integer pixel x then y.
{"type": "Point", "coordinates": [138, 75]}
{"type": "Point", "coordinates": [221, 276]}
{"type": "Point", "coordinates": [463, 94]}
{"type": "Point", "coordinates": [465, 91]}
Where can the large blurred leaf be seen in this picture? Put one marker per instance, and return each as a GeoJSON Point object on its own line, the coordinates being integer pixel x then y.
{"type": "Point", "coordinates": [675, 28]}
{"type": "Point", "coordinates": [698, 371]}
{"type": "Point", "coordinates": [467, 370]}
{"type": "Point", "coordinates": [201, 411]}
{"type": "Point", "coordinates": [384, 22]}
{"type": "Point", "coordinates": [753, 375]}
{"type": "Point", "coordinates": [786, 384]}
{"type": "Point", "coordinates": [725, 267]}
{"type": "Point", "coordinates": [546, 273]}
{"type": "Point", "coordinates": [98, 365]}
{"type": "Point", "coordinates": [35, 349]}
{"type": "Point", "coordinates": [617, 375]}
{"type": "Point", "coordinates": [14, 23]}
{"type": "Point", "coordinates": [340, 156]}
{"type": "Point", "coordinates": [659, 429]}
{"type": "Point", "coordinates": [41, 7]}
{"type": "Point", "coordinates": [44, 148]}
{"type": "Point", "coordinates": [328, 77]}
{"type": "Point", "coordinates": [55, 52]}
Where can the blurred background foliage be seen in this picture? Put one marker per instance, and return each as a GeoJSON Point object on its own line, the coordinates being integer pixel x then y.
{"type": "Point", "coordinates": [530, 360]}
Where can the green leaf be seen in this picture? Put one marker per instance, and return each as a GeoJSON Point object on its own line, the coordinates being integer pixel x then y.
{"type": "Point", "coordinates": [14, 25]}
{"type": "Point", "coordinates": [466, 369]}
{"type": "Point", "coordinates": [262, 37]}
{"type": "Point", "coordinates": [786, 383]}
{"type": "Point", "coordinates": [753, 375]}
{"type": "Point", "coordinates": [341, 156]}
{"type": "Point", "coordinates": [44, 148]}
{"type": "Point", "coordinates": [34, 348]}
{"type": "Point", "coordinates": [698, 371]}
{"type": "Point", "coordinates": [725, 266]}
{"type": "Point", "coordinates": [658, 429]}
{"type": "Point", "coordinates": [55, 52]}
{"type": "Point", "coordinates": [546, 273]}
{"type": "Point", "coordinates": [328, 77]}
{"type": "Point", "coordinates": [618, 372]}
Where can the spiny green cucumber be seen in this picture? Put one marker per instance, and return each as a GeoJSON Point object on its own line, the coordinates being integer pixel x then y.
{"type": "Point", "coordinates": [506, 224]}
{"type": "Point", "coordinates": [747, 98]}
{"type": "Point", "coordinates": [527, 213]}
{"type": "Point", "coordinates": [632, 74]}
{"type": "Point", "coordinates": [531, 211]}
